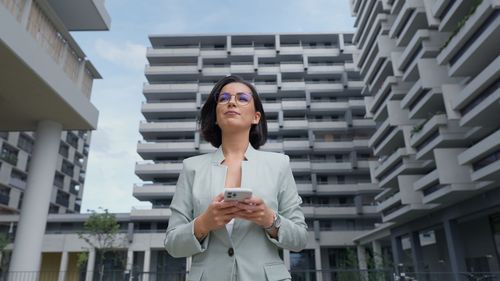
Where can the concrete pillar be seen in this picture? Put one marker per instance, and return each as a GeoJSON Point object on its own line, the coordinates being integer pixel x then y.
{"type": "Point", "coordinates": [26, 255]}
{"type": "Point", "coordinates": [455, 249]}
{"type": "Point", "coordinates": [397, 252]}
{"type": "Point", "coordinates": [416, 251]}
{"type": "Point", "coordinates": [317, 262]}
{"type": "Point", "coordinates": [63, 266]}
{"type": "Point", "coordinates": [377, 254]}
{"type": "Point", "coordinates": [130, 260]}
{"type": "Point", "coordinates": [362, 264]}
{"type": "Point", "coordinates": [90, 265]}
{"type": "Point", "coordinates": [147, 261]}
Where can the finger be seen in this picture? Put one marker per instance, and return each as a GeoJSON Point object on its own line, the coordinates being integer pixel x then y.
{"type": "Point", "coordinates": [219, 197]}
{"type": "Point", "coordinates": [229, 211]}
{"type": "Point", "coordinates": [254, 200]}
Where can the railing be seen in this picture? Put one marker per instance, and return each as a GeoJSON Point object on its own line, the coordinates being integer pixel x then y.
{"type": "Point", "coordinates": [15, 7]}
{"type": "Point", "coordinates": [337, 274]}
{"type": "Point", "coordinates": [43, 30]}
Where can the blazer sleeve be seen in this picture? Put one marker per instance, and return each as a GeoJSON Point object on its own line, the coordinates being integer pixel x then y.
{"type": "Point", "coordinates": [292, 234]}
{"type": "Point", "coordinates": [180, 240]}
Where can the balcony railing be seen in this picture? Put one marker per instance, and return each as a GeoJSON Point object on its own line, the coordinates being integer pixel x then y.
{"type": "Point", "coordinates": [15, 7]}
{"type": "Point", "coordinates": [53, 41]}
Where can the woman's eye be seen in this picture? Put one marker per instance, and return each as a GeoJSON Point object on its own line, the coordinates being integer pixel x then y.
{"type": "Point", "coordinates": [244, 98]}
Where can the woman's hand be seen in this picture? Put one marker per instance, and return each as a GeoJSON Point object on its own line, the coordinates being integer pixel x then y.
{"type": "Point", "coordinates": [255, 210]}
{"type": "Point", "coordinates": [216, 216]}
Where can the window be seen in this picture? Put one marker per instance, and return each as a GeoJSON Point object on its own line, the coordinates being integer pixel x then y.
{"type": "Point", "coordinates": [64, 149]}
{"type": "Point", "coordinates": [72, 139]}
{"type": "Point", "coordinates": [4, 195]}
{"type": "Point", "coordinates": [67, 168]}
{"type": "Point", "coordinates": [9, 154]}
{"type": "Point", "coordinates": [18, 179]}
{"type": "Point", "coordinates": [62, 198]}
{"type": "Point", "coordinates": [25, 143]}
{"type": "Point", "coordinates": [59, 180]}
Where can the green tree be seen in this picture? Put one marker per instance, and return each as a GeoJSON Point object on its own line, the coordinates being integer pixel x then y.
{"type": "Point", "coordinates": [101, 232]}
{"type": "Point", "coordinates": [4, 241]}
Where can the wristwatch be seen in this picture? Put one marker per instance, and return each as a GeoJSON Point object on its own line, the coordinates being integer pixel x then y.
{"type": "Point", "coordinates": [276, 223]}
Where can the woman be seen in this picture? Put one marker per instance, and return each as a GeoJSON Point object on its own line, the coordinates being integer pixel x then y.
{"type": "Point", "coordinates": [235, 240]}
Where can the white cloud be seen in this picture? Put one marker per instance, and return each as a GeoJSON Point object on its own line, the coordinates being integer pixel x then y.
{"type": "Point", "coordinates": [129, 55]}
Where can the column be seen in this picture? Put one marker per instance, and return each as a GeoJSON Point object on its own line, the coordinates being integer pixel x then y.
{"type": "Point", "coordinates": [26, 254]}
{"type": "Point", "coordinates": [416, 251]}
{"type": "Point", "coordinates": [317, 262]}
{"type": "Point", "coordinates": [147, 261]}
{"type": "Point", "coordinates": [455, 249]}
{"type": "Point", "coordinates": [362, 264]}
{"type": "Point", "coordinates": [397, 252]}
{"type": "Point", "coordinates": [63, 266]}
{"type": "Point", "coordinates": [130, 260]}
{"type": "Point", "coordinates": [90, 265]}
{"type": "Point", "coordinates": [377, 254]}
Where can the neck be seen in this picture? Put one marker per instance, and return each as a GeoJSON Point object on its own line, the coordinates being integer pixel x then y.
{"type": "Point", "coordinates": [235, 145]}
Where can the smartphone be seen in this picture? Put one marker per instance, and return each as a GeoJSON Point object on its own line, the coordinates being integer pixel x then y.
{"type": "Point", "coordinates": [237, 194]}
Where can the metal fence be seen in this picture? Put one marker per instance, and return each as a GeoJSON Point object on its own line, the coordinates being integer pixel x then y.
{"type": "Point", "coordinates": [297, 275]}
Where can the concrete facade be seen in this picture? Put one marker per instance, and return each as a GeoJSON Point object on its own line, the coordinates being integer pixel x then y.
{"type": "Point", "coordinates": [431, 69]}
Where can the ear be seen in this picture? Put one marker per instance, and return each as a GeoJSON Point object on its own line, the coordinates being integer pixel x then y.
{"type": "Point", "coordinates": [256, 118]}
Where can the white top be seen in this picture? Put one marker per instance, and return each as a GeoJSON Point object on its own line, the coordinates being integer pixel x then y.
{"type": "Point", "coordinates": [229, 227]}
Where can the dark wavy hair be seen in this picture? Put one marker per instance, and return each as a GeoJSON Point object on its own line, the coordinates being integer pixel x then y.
{"type": "Point", "coordinates": [211, 131]}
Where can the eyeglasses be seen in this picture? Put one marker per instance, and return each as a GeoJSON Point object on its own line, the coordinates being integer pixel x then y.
{"type": "Point", "coordinates": [241, 98]}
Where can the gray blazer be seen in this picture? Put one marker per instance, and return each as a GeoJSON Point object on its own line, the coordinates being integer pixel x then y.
{"type": "Point", "coordinates": [250, 253]}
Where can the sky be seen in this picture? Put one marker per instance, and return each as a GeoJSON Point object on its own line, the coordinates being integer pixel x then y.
{"type": "Point", "coordinates": [120, 56]}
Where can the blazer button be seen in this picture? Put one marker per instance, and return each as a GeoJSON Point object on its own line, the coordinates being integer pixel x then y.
{"type": "Point", "coordinates": [230, 252]}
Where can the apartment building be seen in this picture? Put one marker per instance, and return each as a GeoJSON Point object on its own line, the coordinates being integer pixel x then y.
{"type": "Point", "coordinates": [46, 83]}
{"type": "Point", "coordinates": [431, 69]}
{"type": "Point", "coordinates": [311, 92]}
{"type": "Point", "coordinates": [69, 178]}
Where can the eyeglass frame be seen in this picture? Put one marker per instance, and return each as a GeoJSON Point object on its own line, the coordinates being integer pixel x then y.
{"type": "Point", "coordinates": [235, 98]}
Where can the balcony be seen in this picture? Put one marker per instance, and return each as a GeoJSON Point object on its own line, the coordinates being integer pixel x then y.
{"type": "Point", "coordinates": [149, 192]}
{"type": "Point", "coordinates": [291, 67]}
{"type": "Point", "coordinates": [324, 87]}
{"type": "Point", "coordinates": [386, 139]}
{"type": "Point", "coordinates": [464, 53]}
{"type": "Point", "coordinates": [398, 163]}
{"type": "Point", "coordinates": [169, 110]}
{"type": "Point", "coordinates": [59, 74]}
{"type": "Point", "coordinates": [442, 194]}
{"type": "Point", "coordinates": [148, 170]}
{"type": "Point", "coordinates": [167, 73]}
{"type": "Point", "coordinates": [480, 99]}
{"type": "Point", "coordinates": [170, 91]}
{"type": "Point", "coordinates": [151, 130]}
{"type": "Point", "coordinates": [438, 132]}
{"type": "Point", "coordinates": [86, 15]}
{"type": "Point", "coordinates": [484, 158]}
{"type": "Point", "coordinates": [149, 150]}
{"type": "Point", "coordinates": [161, 55]}
{"type": "Point", "coordinates": [337, 69]}
{"type": "Point", "coordinates": [150, 214]}
{"type": "Point", "coordinates": [409, 19]}
{"type": "Point", "coordinates": [327, 126]}
{"type": "Point", "coordinates": [330, 166]}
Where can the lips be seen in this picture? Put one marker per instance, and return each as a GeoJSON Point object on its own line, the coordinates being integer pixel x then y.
{"type": "Point", "coordinates": [230, 112]}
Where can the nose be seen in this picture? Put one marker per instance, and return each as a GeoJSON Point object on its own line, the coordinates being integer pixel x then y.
{"type": "Point", "coordinates": [231, 100]}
